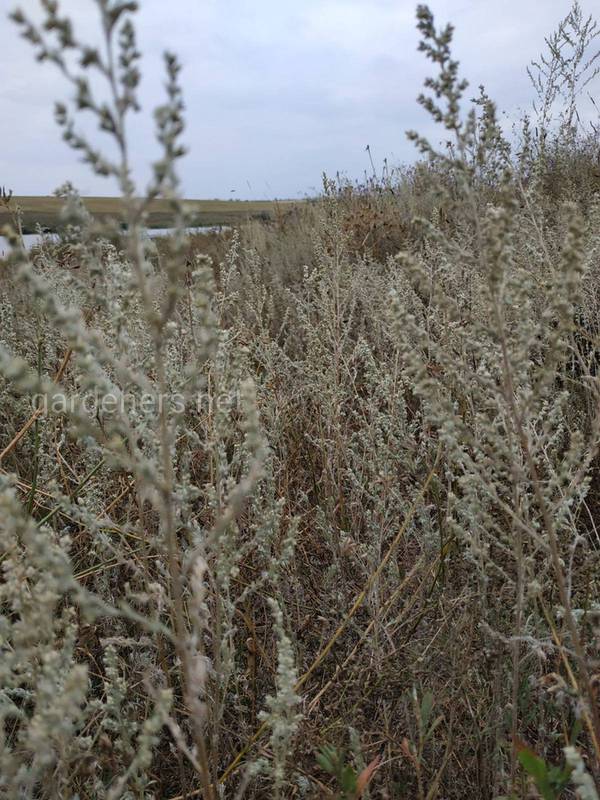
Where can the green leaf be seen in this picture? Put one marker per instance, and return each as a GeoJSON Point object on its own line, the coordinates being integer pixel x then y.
{"type": "Point", "coordinates": [577, 728]}
{"type": "Point", "coordinates": [536, 767]}
{"type": "Point", "coordinates": [559, 777]}
{"type": "Point", "coordinates": [348, 780]}
{"type": "Point", "coordinates": [533, 765]}
{"type": "Point", "coordinates": [436, 723]}
{"type": "Point", "coordinates": [426, 708]}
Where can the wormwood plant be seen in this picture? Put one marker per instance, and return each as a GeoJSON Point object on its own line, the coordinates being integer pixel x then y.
{"type": "Point", "coordinates": [332, 491]}
{"type": "Point", "coordinates": [518, 464]}
{"type": "Point", "coordinates": [154, 403]}
{"type": "Point", "coordinates": [565, 132]}
{"type": "Point", "coordinates": [565, 72]}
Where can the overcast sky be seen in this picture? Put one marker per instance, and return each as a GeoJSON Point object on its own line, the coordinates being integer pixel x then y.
{"type": "Point", "coordinates": [276, 91]}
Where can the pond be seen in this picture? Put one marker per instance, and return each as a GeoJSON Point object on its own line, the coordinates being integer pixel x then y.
{"type": "Point", "coordinates": [33, 239]}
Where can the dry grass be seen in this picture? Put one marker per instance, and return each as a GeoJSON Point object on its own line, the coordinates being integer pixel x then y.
{"type": "Point", "coordinates": [353, 551]}
{"type": "Point", "coordinates": [45, 211]}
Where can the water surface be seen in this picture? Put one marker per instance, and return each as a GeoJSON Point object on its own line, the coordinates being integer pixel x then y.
{"type": "Point", "coordinates": [33, 239]}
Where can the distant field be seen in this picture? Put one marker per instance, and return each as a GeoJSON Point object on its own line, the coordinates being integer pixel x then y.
{"type": "Point", "coordinates": [44, 211]}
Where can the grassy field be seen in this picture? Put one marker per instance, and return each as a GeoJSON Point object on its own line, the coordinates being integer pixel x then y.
{"type": "Point", "coordinates": [310, 508]}
{"type": "Point", "coordinates": [44, 211]}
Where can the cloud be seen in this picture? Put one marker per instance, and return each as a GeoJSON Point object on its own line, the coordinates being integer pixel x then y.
{"type": "Point", "coordinates": [276, 92]}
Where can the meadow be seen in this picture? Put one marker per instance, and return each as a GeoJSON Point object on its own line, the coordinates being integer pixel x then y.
{"type": "Point", "coordinates": [309, 509]}
{"type": "Point", "coordinates": [45, 211]}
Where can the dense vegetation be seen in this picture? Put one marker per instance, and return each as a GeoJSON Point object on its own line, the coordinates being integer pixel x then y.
{"type": "Point", "coordinates": [314, 514]}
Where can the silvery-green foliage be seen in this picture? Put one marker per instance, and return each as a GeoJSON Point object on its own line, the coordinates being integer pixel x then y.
{"type": "Point", "coordinates": [175, 571]}
{"type": "Point", "coordinates": [563, 72]}
{"type": "Point", "coordinates": [281, 716]}
{"type": "Point", "coordinates": [43, 688]}
{"type": "Point", "coordinates": [580, 777]}
{"type": "Point", "coordinates": [135, 327]}
{"type": "Point", "coordinates": [494, 371]}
